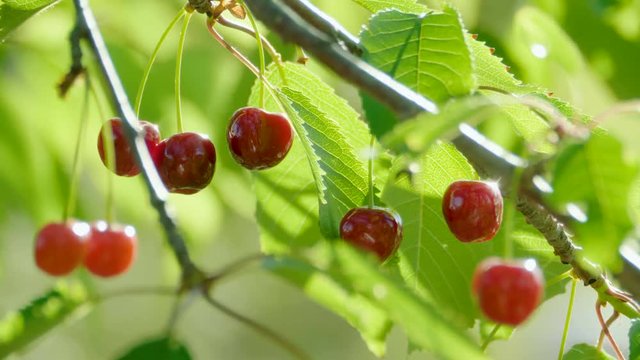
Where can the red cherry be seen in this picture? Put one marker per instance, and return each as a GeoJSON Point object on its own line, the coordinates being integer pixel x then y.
{"type": "Point", "coordinates": [372, 229]}
{"type": "Point", "coordinates": [508, 291]}
{"type": "Point", "coordinates": [186, 162]}
{"type": "Point", "coordinates": [259, 139]}
{"type": "Point", "coordinates": [473, 210]}
{"type": "Point", "coordinates": [111, 249]}
{"type": "Point", "coordinates": [60, 247]}
{"type": "Point", "coordinates": [125, 162]}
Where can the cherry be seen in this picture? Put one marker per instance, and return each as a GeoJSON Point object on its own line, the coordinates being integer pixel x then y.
{"type": "Point", "coordinates": [259, 139]}
{"type": "Point", "coordinates": [473, 210]}
{"type": "Point", "coordinates": [373, 229]}
{"type": "Point", "coordinates": [110, 249]}
{"type": "Point", "coordinates": [186, 162]}
{"type": "Point", "coordinates": [60, 247]}
{"type": "Point", "coordinates": [508, 291]}
{"type": "Point", "coordinates": [125, 163]}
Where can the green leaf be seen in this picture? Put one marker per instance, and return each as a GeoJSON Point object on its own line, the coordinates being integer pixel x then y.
{"type": "Point", "coordinates": [586, 352]}
{"type": "Point", "coordinates": [288, 202]}
{"type": "Point", "coordinates": [426, 52]}
{"type": "Point", "coordinates": [362, 314]}
{"type": "Point", "coordinates": [423, 323]}
{"type": "Point", "coordinates": [322, 166]}
{"type": "Point", "coordinates": [340, 176]}
{"type": "Point", "coordinates": [596, 177]}
{"type": "Point", "coordinates": [12, 17]}
{"type": "Point", "coordinates": [158, 349]}
{"type": "Point", "coordinates": [634, 340]}
{"type": "Point", "coordinates": [432, 261]}
{"type": "Point", "coordinates": [28, 4]}
{"type": "Point", "coordinates": [402, 5]}
{"type": "Point", "coordinates": [20, 328]}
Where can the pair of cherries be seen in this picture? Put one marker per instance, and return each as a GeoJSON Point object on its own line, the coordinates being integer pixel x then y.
{"type": "Point", "coordinates": [186, 161]}
{"type": "Point", "coordinates": [104, 249]}
{"type": "Point", "coordinates": [508, 291]}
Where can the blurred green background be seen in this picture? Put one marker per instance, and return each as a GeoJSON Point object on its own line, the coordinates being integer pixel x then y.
{"type": "Point", "coordinates": [593, 66]}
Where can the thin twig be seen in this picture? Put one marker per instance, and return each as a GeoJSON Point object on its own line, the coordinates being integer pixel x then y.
{"type": "Point", "coordinates": [293, 349]}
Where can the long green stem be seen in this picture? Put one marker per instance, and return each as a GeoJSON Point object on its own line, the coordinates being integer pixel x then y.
{"type": "Point", "coordinates": [147, 70]}
{"type": "Point", "coordinates": [183, 35]}
{"type": "Point", "coordinates": [75, 168]}
{"type": "Point", "coordinates": [371, 156]}
{"type": "Point", "coordinates": [110, 156]}
{"type": "Point", "coordinates": [567, 320]}
{"type": "Point", "coordinates": [260, 52]}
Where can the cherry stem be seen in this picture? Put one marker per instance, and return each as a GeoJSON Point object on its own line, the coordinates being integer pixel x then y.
{"type": "Point", "coordinates": [183, 35]}
{"type": "Point", "coordinates": [371, 155]}
{"type": "Point", "coordinates": [559, 278]}
{"type": "Point", "coordinates": [246, 62]}
{"type": "Point", "coordinates": [605, 330]}
{"type": "Point", "coordinates": [260, 52]}
{"type": "Point", "coordinates": [567, 320]}
{"type": "Point", "coordinates": [261, 329]}
{"type": "Point", "coordinates": [75, 167]}
{"type": "Point", "coordinates": [489, 338]}
{"type": "Point", "coordinates": [110, 156]}
{"type": "Point", "coordinates": [626, 107]}
{"type": "Point", "coordinates": [302, 58]}
{"type": "Point", "coordinates": [610, 321]}
{"type": "Point", "coordinates": [147, 70]}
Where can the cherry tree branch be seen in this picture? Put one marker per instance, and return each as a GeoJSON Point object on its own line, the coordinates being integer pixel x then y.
{"type": "Point", "coordinates": [299, 22]}
{"type": "Point", "coordinates": [86, 28]}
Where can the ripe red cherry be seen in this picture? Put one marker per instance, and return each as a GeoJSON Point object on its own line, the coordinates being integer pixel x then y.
{"type": "Point", "coordinates": [259, 139]}
{"type": "Point", "coordinates": [473, 210]}
{"type": "Point", "coordinates": [508, 291]}
{"type": "Point", "coordinates": [111, 249]}
{"type": "Point", "coordinates": [186, 162]}
{"type": "Point", "coordinates": [60, 247]}
{"type": "Point", "coordinates": [372, 229]}
{"type": "Point", "coordinates": [125, 162]}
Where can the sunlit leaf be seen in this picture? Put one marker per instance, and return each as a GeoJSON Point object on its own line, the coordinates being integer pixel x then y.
{"type": "Point", "coordinates": [402, 5]}
{"type": "Point", "coordinates": [20, 328]}
{"type": "Point", "coordinates": [14, 13]}
{"type": "Point", "coordinates": [426, 52]}
{"type": "Point", "coordinates": [423, 323]}
{"type": "Point", "coordinates": [361, 313]}
{"type": "Point", "coordinates": [586, 352]}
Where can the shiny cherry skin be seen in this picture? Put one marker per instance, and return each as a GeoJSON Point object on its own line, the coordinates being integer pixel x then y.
{"type": "Point", "coordinates": [508, 292]}
{"type": "Point", "coordinates": [473, 210]}
{"type": "Point", "coordinates": [111, 249]}
{"type": "Point", "coordinates": [186, 162]}
{"type": "Point", "coordinates": [124, 158]}
{"type": "Point", "coordinates": [60, 247]}
{"type": "Point", "coordinates": [372, 229]}
{"type": "Point", "coordinates": [259, 139]}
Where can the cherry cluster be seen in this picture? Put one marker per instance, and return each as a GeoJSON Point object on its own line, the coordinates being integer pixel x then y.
{"type": "Point", "coordinates": [508, 291]}
{"type": "Point", "coordinates": [104, 249]}
{"type": "Point", "coordinates": [186, 161]}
